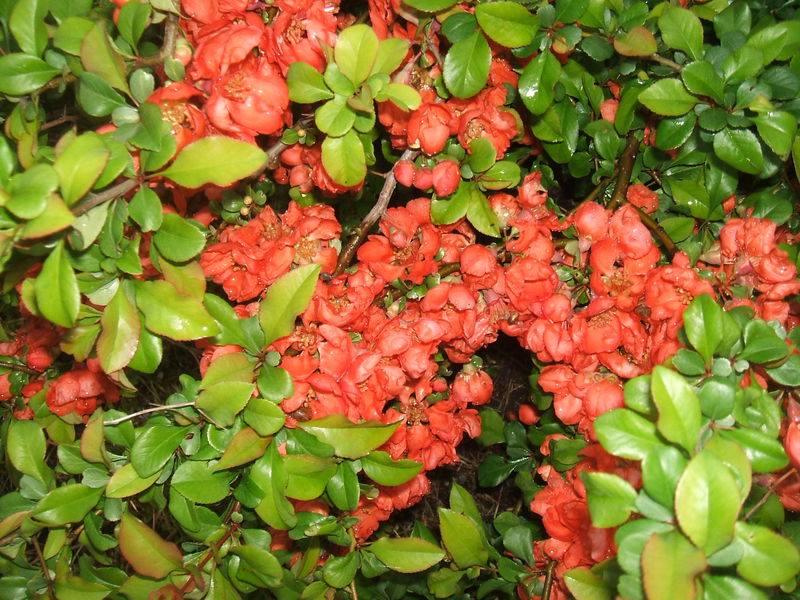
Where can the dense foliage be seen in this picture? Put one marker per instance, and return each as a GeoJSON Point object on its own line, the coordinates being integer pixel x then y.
{"type": "Point", "coordinates": [253, 252]}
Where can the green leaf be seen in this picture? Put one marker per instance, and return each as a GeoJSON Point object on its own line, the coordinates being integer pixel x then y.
{"type": "Point", "coordinates": [537, 82]}
{"type": "Point", "coordinates": [335, 117]}
{"type": "Point", "coordinates": [177, 239]}
{"type": "Point", "coordinates": [56, 289]}
{"type": "Point", "coordinates": [355, 52]}
{"type": "Point", "coordinates": [223, 401]}
{"type": "Point", "coordinates": [306, 85]}
{"type": "Point", "coordinates": [154, 446]}
{"type": "Point", "coordinates": [349, 440]}
{"type": "Point", "coordinates": [609, 497]}
{"type": "Point", "coordinates": [99, 57]}
{"type": "Point", "coordinates": [481, 215]}
{"type": "Point", "coordinates": [197, 482]}
{"type": "Point", "coordinates": [344, 159]}
{"type": "Point", "coordinates": [466, 66]}
{"type": "Point", "coordinates": [788, 373]}
{"type": "Point", "coordinates": [235, 366]}
{"type": "Point", "coordinates": [462, 538]}
{"type": "Point", "coordinates": [70, 34]}
{"type": "Point", "coordinates": [404, 96]}
{"type": "Point", "coordinates": [501, 175]}
{"type": "Point", "coordinates": [261, 561]}
{"type": "Point", "coordinates": [96, 96]}
{"type": "Point", "coordinates": [740, 149]}
{"type": "Point", "coordinates": [762, 344]}
{"type": "Point", "coordinates": [482, 154]}
{"type": "Point", "coordinates": [661, 471]}
{"type": "Point", "coordinates": [669, 566]}
{"type": "Point", "coordinates": [339, 571]}
{"type": "Point", "coordinates": [639, 41]}
{"type": "Point", "coordinates": [286, 299]}
{"type": "Point", "coordinates": [668, 97]}
{"type": "Point", "coordinates": [624, 433]}
{"type": "Point", "coordinates": [66, 504]}
{"type": "Point", "coordinates": [732, 456]}
{"type": "Point", "coordinates": [455, 207]}
{"type": "Point", "coordinates": [148, 353]}
{"type": "Point", "coordinates": [725, 587]}
{"type": "Point", "coordinates": [678, 408]}
{"type": "Point", "coordinates": [170, 314]}
{"type": "Point", "coordinates": [246, 446]}
{"type": "Point", "coordinates": [22, 74]}
{"type": "Point", "coordinates": [631, 538]}
{"type": "Point", "coordinates": [126, 482]}
{"type": "Point", "coordinates": [307, 475]}
{"type": "Point", "coordinates": [585, 585]}
{"type": "Point", "coordinates": [391, 53]}
{"type": "Point", "coordinates": [507, 23]}
{"type": "Point", "coordinates": [406, 555]}
{"type": "Point", "coordinates": [430, 5]}
{"type": "Point", "coordinates": [766, 454]}
{"type": "Point", "coordinates": [119, 339]}
{"type": "Point", "coordinates": [145, 550]}
{"type": "Point", "coordinates": [674, 132]}
{"type": "Point", "coordinates": [31, 190]}
{"type": "Point", "coordinates": [264, 416]}
{"type": "Point", "coordinates": [28, 25]}
{"type": "Point", "coordinates": [768, 559]}
{"type": "Point", "coordinates": [707, 502]}
{"type": "Point", "coordinates": [275, 383]}
{"type": "Point", "coordinates": [215, 159]}
{"type": "Point", "coordinates": [702, 320]}
{"type": "Point", "coordinates": [682, 30]}
{"type": "Point", "coordinates": [383, 470]}
{"type": "Point", "coordinates": [71, 587]}
{"type": "Point", "coordinates": [25, 448]}
{"type": "Point", "coordinates": [343, 487]}
{"type": "Point", "coordinates": [777, 128]}
{"type": "Point", "coordinates": [269, 474]}
{"type": "Point", "coordinates": [133, 20]}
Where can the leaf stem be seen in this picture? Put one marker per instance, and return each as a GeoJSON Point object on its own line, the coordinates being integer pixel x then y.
{"type": "Point", "coordinates": [167, 47]}
{"type": "Point", "coordinates": [665, 61]}
{"type": "Point", "coordinates": [106, 195]}
{"type": "Point", "coordinates": [373, 216]}
{"type": "Point", "coordinates": [274, 151]}
{"type": "Point", "coordinates": [624, 171]}
{"type": "Point", "coordinates": [147, 411]}
{"type": "Point", "coordinates": [768, 493]}
{"type": "Point", "coordinates": [15, 367]}
{"type": "Point", "coordinates": [548, 580]}
{"type": "Point", "coordinates": [50, 590]}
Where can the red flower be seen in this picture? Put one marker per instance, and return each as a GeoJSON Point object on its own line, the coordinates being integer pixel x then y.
{"type": "Point", "coordinates": [446, 177]}
{"type": "Point", "coordinates": [608, 109]}
{"type": "Point", "coordinates": [429, 127]}
{"type": "Point", "coordinates": [188, 122]}
{"type": "Point", "coordinates": [301, 29]}
{"type": "Point", "coordinates": [528, 281]}
{"type": "Point", "coordinates": [642, 197]}
{"type": "Point", "coordinates": [81, 391]}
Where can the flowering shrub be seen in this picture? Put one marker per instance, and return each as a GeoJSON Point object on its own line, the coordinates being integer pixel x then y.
{"type": "Point", "coordinates": [253, 254]}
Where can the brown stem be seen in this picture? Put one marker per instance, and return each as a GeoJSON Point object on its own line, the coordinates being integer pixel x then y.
{"type": "Point", "coordinates": [449, 268]}
{"type": "Point", "coordinates": [167, 47]}
{"type": "Point", "coordinates": [15, 367]}
{"type": "Point", "coordinates": [59, 121]}
{"type": "Point", "coordinates": [106, 195]}
{"type": "Point", "coordinates": [769, 492]}
{"type": "Point", "coordinates": [665, 61]}
{"type": "Point", "coordinates": [274, 151]}
{"type": "Point", "coordinates": [189, 585]}
{"type": "Point", "coordinates": [624, 171]}
{"type": "Point", "coordinates": [147, 411]}
{"type": "Point", "coordinates": [548, 580]}
{"type": "Point", "coordinates": [669, 246]}
{"type": "Point", "coordinates": [373, 216]}
{"type": "Point", "coordinates": [51, 593]}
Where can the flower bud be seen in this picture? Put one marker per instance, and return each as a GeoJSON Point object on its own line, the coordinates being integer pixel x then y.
{"type": "Point", "coordinates": [446, 177]}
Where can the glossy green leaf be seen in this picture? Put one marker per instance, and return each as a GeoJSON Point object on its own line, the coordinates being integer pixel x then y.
{"type": "Point", "coordinates": [275, 383]}
{"type": "Point", "coordinates": [132, 21]}
{"type": "Point", "coordinates": [223, 401]}
{"type": "Point", "coordinates": [197, 481]}
{"type": "Point", "coordinates": [307, 475]}
{"type": "Point", "coordinates": [768, 559]}
{"type": "Point", "coordinates": [56, 289]}
{"type": "Point", "coordinates": [349, 440]}
{"type": "Point", "coordinates": [624, 433]}
{"type": "Point", "coordinates": [99, 57]}
{"type": "Point", "coordinates": [126, 482]}
{"type": "Point", "coordinates": [682, 30]}
{"type": "Point", "coordinates": [766, 454]}
{"type": "Point", "coordinates": [732, 455]}
{"type": "Point", "coordinates": [25, 447]}
{"type": "Point", "coordinates": [585, 585]}
{"type": "Point", "coordinates": [355, 52]}
{"type": "Point", "coordinates": [146, 551]}
{"type": "Point", "coordinates": [246, 446]}
{"type": "Point", "coordinates": [120, 336]}
{"type": "Point", "coordinates": [339, 571]}
{"type": "Point", "coordinates": [66, 504]}
{"type": "Point", "coordinates": [707, 502]}
{"type": "Point", "coordinates": [403, 96]}
{"type": "Point", "coordinates": [148, 353]}
{"type": "Point", "coordinates": [264, 416]}
{"type": "Point", "coordinates": [335, 117]}
{"type": "Point", "coordinates": [406, 555]}
{"type": "Point", "coordinates": [701, 78]}
{"type": "Point", "coordinates": [455, 207]}
{"type": "Point", "coordinates": [344, 159]}
{"type": "Point", "coordinates": [678, 408]}
{"type": "Point", "coordinates": [170, 314]}
{"type": "Point", "coordinates": [391, 53]}
{"type": "Point", "coordinates": [661, 470]}
{"type": "Point", "coordinates": [269, 474]}
{"type": "Point", "coordinates": [286, 299]}
{"type": "Point", "coordinates": [481, 215]}
{"type": "Point", "coordinates": [95, 96]}
{"type": "Point", "coordinates": [177, 239]}
{"type": "Point", "coordinates": [507, 23]}
{"type": "Point", "coordinates": [27, 23]}
{"type": "Point", "coordinates": [466, 66]}
{"type": "Point", "coordinates": [343, 487]}
{"type": "Point", "coordinates": [235, 366]}
{"type": "Point", "coordinates": [22, 74]}
{"type": "Point", "coordinates": [668, 97]}
{"type": "Point", "coordinates": [154, 446]}
{"type": "Point", "coordinates": [215, 159]}
{"type": "Point", "coordinates": [778, 129]}
{"type": "Point", "coordinates": [725, 587]}
{"type": "Point", "coordinates": [762, 344]}
{"type": "Point", "coordinates": [431, 5]}
{"type": "Point", "coordinates": [306, 84]}
{"type": "Point", "coordinates": [670, 564]}
{"type": "Point", "coordinates": [631, 538]}
{"type": "Point", "coordinates": [674, 132]}
{"type": "Point", "coordinates": [702, 320]}
{"type": "Point", "coordinates": [260, 560]}
{"type": "Point", "coordinates": [462, 538]}
{"type": "Point", "coordinates": [31, 191]}
{"type": "Point", "coordinates": [383, 470]}
{"type": "Point", "coordinates": [740, 149]}
{"type": "Point", "coordinates": [70, 34]}
{"type": "Point", "coordinates": [610, 498]}
{"type": "Point", "coordinates": [639, 41]}
{"type": "Point", "coordinates": [80, 164]}
{"type": "Point", "coordinates": [537, 82]}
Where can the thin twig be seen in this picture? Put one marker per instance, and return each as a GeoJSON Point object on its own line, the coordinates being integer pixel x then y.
{"type": "Point", "coordinates": [147, 411]}
{"type": "Point", "coordinates": [59, 121]}
{"type": "Point", "coordinates": [212, 551]}
{"type": "Point", "coordinates": [548, 580]}
{"type": "Point", "coordinates": [669, 246]}
{"type": "Point", "coordinates": [15, 367]}
{"type": "Point", "coordinates": [51, 594]}
{"type": "Point", "coordinates": [167, 47]}
{"type": "Point", "coordinates": [373, 216]}
{"type": "Point", "coordinates": [665, 61]}
{"type": "Point", "coordinates": [768, 493]}
{"type": "Point", "coordinates": [626, 161]}
{"type": "Point", "coordinates": [274, 152]}
{"type": "Point", "coordinates": [106, 195]}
